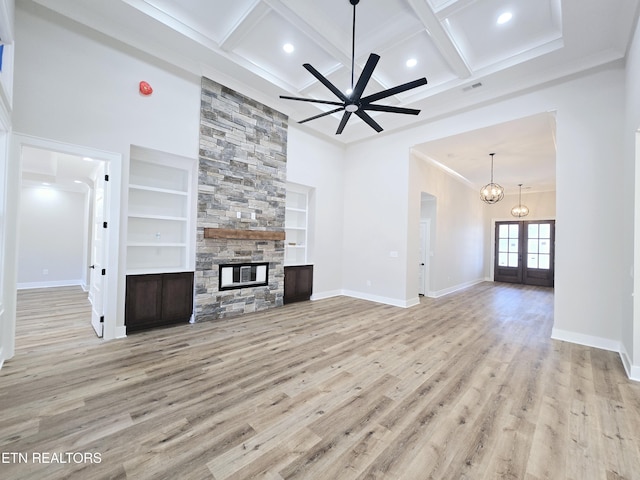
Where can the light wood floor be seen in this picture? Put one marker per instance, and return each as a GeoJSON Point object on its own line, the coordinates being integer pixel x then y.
{"type": "Point", "coordinates": [468, 386]}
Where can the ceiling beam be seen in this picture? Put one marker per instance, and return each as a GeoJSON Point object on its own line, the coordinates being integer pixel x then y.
{"type": "Point", "coordinates": [441, 38]}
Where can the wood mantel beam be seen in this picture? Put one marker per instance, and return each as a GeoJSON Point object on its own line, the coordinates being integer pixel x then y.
{"type": "Point", "coordinates": [230, 233]}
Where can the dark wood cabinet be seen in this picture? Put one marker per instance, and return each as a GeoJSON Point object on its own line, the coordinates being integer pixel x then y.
{"type": "Point", "coordinates": [298, 283]}
{"type": "Point", "coordinates": [155, 300]}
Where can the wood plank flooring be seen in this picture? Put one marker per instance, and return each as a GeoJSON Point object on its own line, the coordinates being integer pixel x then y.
{"type": "Point", "coordinates": [468, 386]}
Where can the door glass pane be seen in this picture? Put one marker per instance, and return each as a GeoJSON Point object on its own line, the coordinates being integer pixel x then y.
{"type": "Point", "coordinates": [513, 230]}
{"type": "Point", "coordinates": [513, 259]}
{"type": "Point", "coordinates": [545, 246]}
{"type": "Point", "coordinates": [544, 262]}
{"type": "Point", "coordinates": [532, 245]}
{"type": "Point", "coordinates": [545, 230]}
{"type": "Point", "coordinates": [533, 230]}
{"type": "Point", "coordinates": [504, 231]}
{"type": "Point", "coordinates": [532, 261]}
{"type": "Point", "coordinates": [513, 246]}
{"type": "Point", "coordinates": [503, 259]}
{"type": "Point", "coordinates": [503, 245]}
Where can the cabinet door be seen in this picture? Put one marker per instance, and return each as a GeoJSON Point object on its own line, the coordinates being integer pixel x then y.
{"type": "Point", "coordinates": [298, 283]}
{"type": "Point", "coordinates": [177, 297]}
{"type": "Point", "coordinates": [143, 303]}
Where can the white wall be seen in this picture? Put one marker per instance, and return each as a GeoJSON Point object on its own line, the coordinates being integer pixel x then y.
{"type": "Point", "coordinates": [319, 164]}
{"type": "Point", "coordinates": [376, 222]}
{"type": "Point", "coordinates": [631, 227]}
{"type": "Point", "coordinates": [590, 265]}
{"type": "Point", "coordinates": [458, 241]}
{"type": "Point", "coordinates": [542, 206]}
{"type": "Point", "coordinates": [51, 236]}
{"type": "Point", "coordinates": [8, 189]}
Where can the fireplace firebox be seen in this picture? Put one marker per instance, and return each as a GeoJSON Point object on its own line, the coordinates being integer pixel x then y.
{"type": "Point", "coordinates": [242, 275]}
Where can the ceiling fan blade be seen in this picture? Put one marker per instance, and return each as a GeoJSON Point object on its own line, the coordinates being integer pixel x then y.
{"type": "Point", "coordinates": [390, 109]}
{"type": "Point", "coordinates": [365, 76]}
{"type": "Point", "coordinates": [322, 79]}
{"type": "Point", "coordinates": [343, 122]}
{"type": "Point", "coordinates": [323, 114]}
{"type": "Point", "coordinates": [370, 121]}
{"type": "Point", "coordinates": [395, 90]}
{"type": "Point", "coordinates": [313, 100]}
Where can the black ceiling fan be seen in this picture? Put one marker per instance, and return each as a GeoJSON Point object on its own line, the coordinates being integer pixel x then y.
{"type": "Point", "coordinates": [354, 102]}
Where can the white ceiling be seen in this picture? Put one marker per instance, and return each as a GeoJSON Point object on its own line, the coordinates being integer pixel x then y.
{"type": "Point", "coordinates": [465, 55]}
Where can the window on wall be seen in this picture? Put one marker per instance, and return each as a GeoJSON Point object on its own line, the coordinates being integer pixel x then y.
{"type": "Point", "coordinates": [508, 245]}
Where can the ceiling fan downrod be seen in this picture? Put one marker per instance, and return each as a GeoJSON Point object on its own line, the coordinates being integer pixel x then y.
{"type": "Point", "coordinates": [354, 102]}
{"type": "Point", "coordinates": [353, 42]}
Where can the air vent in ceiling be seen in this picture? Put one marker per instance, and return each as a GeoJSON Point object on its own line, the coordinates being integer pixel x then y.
{"type": "Point", "coordinates": [471, 87]}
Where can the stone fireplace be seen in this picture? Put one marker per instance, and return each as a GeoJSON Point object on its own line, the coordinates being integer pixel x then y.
{"type": "Point", "coordinates": [241, 202]}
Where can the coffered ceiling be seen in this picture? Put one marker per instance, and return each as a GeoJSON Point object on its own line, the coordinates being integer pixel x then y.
{"type": "Point", "coordinates": [467, 56]}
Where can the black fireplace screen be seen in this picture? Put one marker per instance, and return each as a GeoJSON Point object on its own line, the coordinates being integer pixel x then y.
{"type": "Point", "coordinates": [241, 275]}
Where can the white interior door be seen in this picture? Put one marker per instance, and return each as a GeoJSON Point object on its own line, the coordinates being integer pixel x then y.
{"type": "Point", "coordinates": [98, 251]}
{"type": "Point", "coordinates": [423, 257]}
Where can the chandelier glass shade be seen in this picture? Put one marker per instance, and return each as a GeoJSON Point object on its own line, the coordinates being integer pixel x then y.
{"type": "Point", "coordinates": [520, 210]}
{"type": "Point", "coordinates": [491, 192]}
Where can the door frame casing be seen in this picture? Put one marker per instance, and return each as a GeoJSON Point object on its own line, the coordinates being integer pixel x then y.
{"type": "Point", "coordinates": [111, 330]}
{"type": "Point", "coordinates": [492, 243]}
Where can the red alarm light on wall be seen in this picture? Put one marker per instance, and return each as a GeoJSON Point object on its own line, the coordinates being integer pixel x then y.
{"type": "Point", "coordinates": [145, 88]}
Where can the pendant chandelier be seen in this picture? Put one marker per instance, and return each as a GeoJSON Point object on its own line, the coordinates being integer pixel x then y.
{"type": "Point", "coordinates": [491, 192]}
{"type": "Point", "coordinates": [520, 210]}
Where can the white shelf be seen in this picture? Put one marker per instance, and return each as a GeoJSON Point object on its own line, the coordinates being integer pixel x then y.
{"type": "Point", "coordinates": [296, 225]}
{"type": "Point", "coordinates": [158, 244]}
{"type": "Point", "coordinates": [157, 217]}
{"type": "Point", "coordinates": [160, 212]}
{"type": "Point", "coordinates": [159, 190]}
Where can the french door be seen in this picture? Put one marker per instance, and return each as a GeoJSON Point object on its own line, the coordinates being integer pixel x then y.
{"type": "Point", "coordinates": [524, 252]}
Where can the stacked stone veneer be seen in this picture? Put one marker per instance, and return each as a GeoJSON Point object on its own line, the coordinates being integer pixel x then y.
{"type": "Point", "coordinates": [242, 168]}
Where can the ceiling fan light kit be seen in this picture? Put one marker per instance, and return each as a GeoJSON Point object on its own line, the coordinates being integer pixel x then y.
{"type": "Point", "coordinates": [354, 102]}
{"type": "Point", "coordinates": [492, 192]}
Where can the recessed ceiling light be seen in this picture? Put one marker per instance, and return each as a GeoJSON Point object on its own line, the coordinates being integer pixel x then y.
{"type": "Point", "coordinates": [77, 181]}
{"type": "Point", "coordinates": [504, 18]}
{"type": "Point", "coordinates": [287, 47]}
{"type": "Point", "coordinates": [349, 91]}
{"type": "Point", "coordinates": [46, 184]}
{"type": "Point", "coordinates": [412, 62]}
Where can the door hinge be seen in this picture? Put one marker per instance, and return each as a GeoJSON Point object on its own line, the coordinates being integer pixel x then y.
{"type": "Point", "coordinates": [102, 319]}
{"type": "Point", "coordinates": [104, 224]}
{"type": "Point", "coordinates": [104, 271]}
{"type": "Point", "coordinates": [106, 178]}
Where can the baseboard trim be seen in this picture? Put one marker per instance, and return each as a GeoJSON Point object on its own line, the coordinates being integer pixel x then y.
{"type": "Point", "coordinates": [121, 332]}
{"type": "Point", "coordinates": [455, 288]}
{"type": "Point", "coordinates": [328, 294]}
{"type": "Point", "coordinates": [633, 371]}
{"type": "Point", "coordinates": [395, 302]}
{"type": "Point", "coordinates": [55, 283]}
{"type": "Point", "coordinates": [586, 340]}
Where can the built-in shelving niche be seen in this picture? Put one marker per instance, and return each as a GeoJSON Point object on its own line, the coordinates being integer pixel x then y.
{"type": "Point", "coordinates": [161, 212]}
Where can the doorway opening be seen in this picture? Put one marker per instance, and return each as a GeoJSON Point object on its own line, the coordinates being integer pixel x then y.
{"type": "Point", "coordinates": [525, 252]}
{"type": "Point", "coordinates": [62, 158]}
{"type": "Point", "coordinates": [425, 248]}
